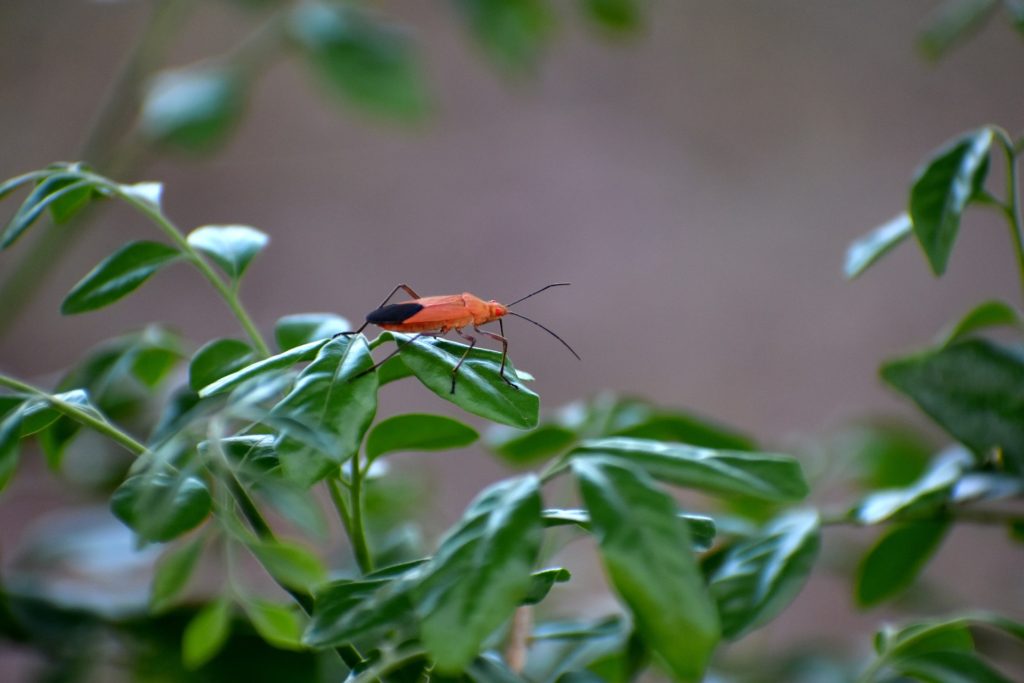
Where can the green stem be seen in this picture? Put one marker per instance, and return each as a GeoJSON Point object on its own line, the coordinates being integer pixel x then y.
{"type": "Point", "coordinates": [76, 413]}
{"type": "Point", "coordinates": [1012, 207]}
{"type": "Point", "coordinates": [338, 498]}
{"type": "Point", "coordinates": [389, 660]}
{"type": "Point", "coordinates": [555, 468]}
{"type": "Point", "coordinates": [359, 543]}
{"type": "Point", "coordinates": [226, 292]}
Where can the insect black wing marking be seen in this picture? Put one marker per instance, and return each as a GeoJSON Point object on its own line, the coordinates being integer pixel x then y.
{"type": "Point", "coordinates": [393, 313]}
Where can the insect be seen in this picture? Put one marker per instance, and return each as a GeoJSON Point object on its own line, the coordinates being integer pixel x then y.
{"type": "Point", "coordinates": [434, 316]}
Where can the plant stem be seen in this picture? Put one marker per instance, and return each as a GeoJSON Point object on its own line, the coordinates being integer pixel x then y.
{"type": "Point", "coordinates": [358, 532]}
{"type": "Point", "coordinates": [1012, 207]}
{"type": "Point", "coordinates": [226, 292]}
{"type": "Point", "coordinates": [389, 659]}
{"type": "Point", "coordinates": [76, 413]}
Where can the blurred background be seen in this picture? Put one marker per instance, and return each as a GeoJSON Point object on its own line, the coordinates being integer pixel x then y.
{"type": "Point", "coordinates": [697, 180]}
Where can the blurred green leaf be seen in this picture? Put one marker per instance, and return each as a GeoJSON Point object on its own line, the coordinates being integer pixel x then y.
{"type": "Point", "coordinates": [417, 432]}
{"type": "Point", "coordinates": [766, 476]}
{"type": "Point", "coordinates": [282, 360]}
{"type": "Point", "coordinates": [292, 565]}
{"type": "Point", "coordinates": [974, 389]}
{"type": "Point", "coordinates": [481, 572]}
{"type": "Point", "coordinates": [759, 576]}
{"type": "Point", "coordinates": [64, 207]}
{"type": "Point", "coordinates": [194, 108]}
{"type": "Point", "coordinates": [864, 252]}
{"type": "Point", "coordinates": [563, 649]}
{"type": "Point", "coordinates": [61, 191]}
{"type": "Point", "coordinates": [513, 33]}
{"type": "Point", "coordinates": [232, 247]}
{"type": "Point", "coordinates": [701, 528]}
{"type": "Point", "coordinates": [983, 316]}
{"type": "Point", "coordinates": [36, 414]}
{"type": "Point", "coordinates": [886, 453]}
{"type": "Point", "coordinates": [206, 633]}
{"type": "Point", "coordinates": [542, 582]}
{"type": "Point", "coordinates": [370, 64]}
{"type": "Point", "coordinates": [279, 625]}
{"type": "Point", "coordinates": [948, 667]}
{"type": "Point", "coordinates": [160, 505]}
{"type": "Point", "coordinates": [518, 448]}
{"type": "Point", "coordinates": [335, 397]}
{"type": "Point", "coordinates": [951, 23]}
{"type": "Point", "coordinates": [173, 572]}
{"type": "Point", "coordinates": [302, 328]}
{"type": "Point", "coordinates": [118, 275]}
{"type": "Point", "coordinates": [647, 556]}
{"type": "Point", "coordinates": [217, 359]}
{"type": "Point", "coordinates": [149, 192]}
{"type": "Point", "coordinates": [347, 609]}
{"type": "Point", "coordinates": [897, 558]}
{"type": "Point", "coordinates": [941, 191]}
{"type": "Point", "coordinates": [10, 436]}
{"type": "Point", "coordinates": [929, 492]}
{"type": "Point", "coordinates": [615, 15]}
{"type": "Point", "coordinates": [479, 388]}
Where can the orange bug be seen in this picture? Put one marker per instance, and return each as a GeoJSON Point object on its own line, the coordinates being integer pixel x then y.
{"type": "Point", "coordinates": [434, 316]}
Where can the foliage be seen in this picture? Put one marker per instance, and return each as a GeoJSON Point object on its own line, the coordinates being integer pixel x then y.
{"type": "Point", "coordinates": [257, 436]}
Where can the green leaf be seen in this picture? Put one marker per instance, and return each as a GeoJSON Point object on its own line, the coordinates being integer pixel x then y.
{"type": "Point", "coordinates": [542, 583]}
{"type": "Point", "coordinates": [481, 572]}
{"type": "Point", "coordinates": [37, 413]}
{"type": "Point", "coordinates": [368, 63]}
{"type": "Point", "coordinates": [279, 625]}
{"type": "Point", "coordinates": [701, 528]}
{"type": "Point", "coordinates": [581, 646]}
{"type": "Point", "coordinates": [767, 476]}
{"type": "Point", "coordinates": [267, 365]}
{"type": "Point", "coordinates": [206, 634]}
{"type": "Point", "coordinates": [348, 609]}
{"type": "Point", "coordinates": [193, 108]}
{"type": "Point", "coordinates": [685, 428]}
{"type": "Point", "coordinates": [646, 553]}
{"type": "Point", "coordinates": [897, 558]}
{"type": "Point", "coordinates": [534, 446]}
{"type": "Point", "coordinates": [479, 389]}
{"type": "Point", "coordinates": [951, 23]}
{"type": "Point", "coordinates": [217, 359]}
{"type": "Point", "coordinates": [161, 505]}
{"type": "Point", "coordinates": [336, 398]}
{"type": "Point", "coordinates": [232, 247]}
{"type": "Point", "coordinates": [10, 436]}
{"type": "Point", "coordinates": [759, 576]}
{"type": "Point", "coordinates": [614, 15]}
{"type": "Point", "coordinates": [418, 432]}
{"type": "Point", "coordinates": [983, 316]}
{"type": "Point", "coordinates": [948, 667]}
{"type": "Point", "coordinates": [941, 191]}
{"type": "Point", "coordinates": [62, 191]}
{"type": "Point", "coordinates": [863, 253]}
{"type": "Point", "coordinates": [974, 389]}
{"type": "Point", "coordinates": [149, 192]}
{"type": "Point", "coordinates": [512, 33]}
{"type": "Point", "coordinates": [172, 573]}
{"type": "Point", "coordinates": [118, 275]}
{"type": "Point", "coordinates": [930, 491]}
{"type": "Point", "coordinates": [302, 328]}
{"type": "Point", "coordinates": [292, 565]}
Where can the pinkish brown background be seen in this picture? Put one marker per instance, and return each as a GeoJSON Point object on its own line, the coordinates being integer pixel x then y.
{"type": "Point", "coordinates": [697, 184]}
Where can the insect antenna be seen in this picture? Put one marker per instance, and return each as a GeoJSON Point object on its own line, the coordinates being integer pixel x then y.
{"type": "Point", "coordinates": [564, 343]}
{"type": "Point", "coordinates": [557, 284]}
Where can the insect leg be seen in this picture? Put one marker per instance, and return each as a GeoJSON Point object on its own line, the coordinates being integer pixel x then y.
{"type": "Point", "coordinates": [472, 343]}
{"type": "Point", "coordinates": [398, 347]}
{"type": "Point", "coordinates": [408, 290]}
{"type": "Point", "coordinates": [504, 350]}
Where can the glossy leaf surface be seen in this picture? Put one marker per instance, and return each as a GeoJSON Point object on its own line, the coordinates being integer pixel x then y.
{"type": "Point", "coordinates": [646, 553]}
{"type": "Point", "coordinates": [118, 275]}
{"type": "Point", "coordinates": [767, 476]}
{"type": "Point", "coordinates": [232, 247]}
{"type": "Point", "coordinates": [759, 576]}
{"type": "Point", "coordinates": [418, 432]}
{"type": "Point", "coordinates": [481, 572]}
{"type": "Point", "coordinates": [896, 559]}
{"type": "Point", "coordinates": [863, 253]}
